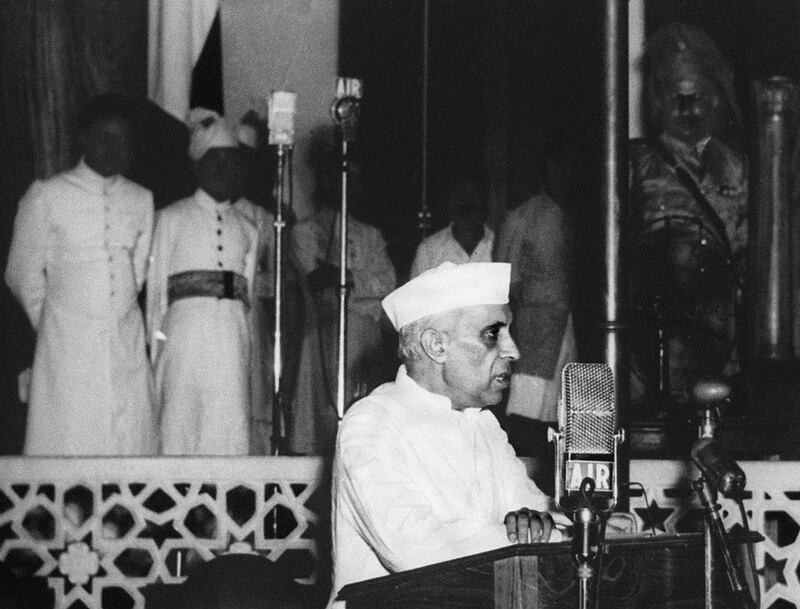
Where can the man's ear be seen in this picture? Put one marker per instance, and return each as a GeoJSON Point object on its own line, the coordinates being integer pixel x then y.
{"type": "Point", "coordinates": [434, 344]}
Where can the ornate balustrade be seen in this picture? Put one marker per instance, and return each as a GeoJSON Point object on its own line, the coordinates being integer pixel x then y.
{"type": "Point", "coordinates": [664, 503]}
{"type": "Point", "coordinates": [100, 530]}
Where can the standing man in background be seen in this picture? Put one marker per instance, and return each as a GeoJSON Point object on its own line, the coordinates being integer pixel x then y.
{"type": "Point", "coordinates": [467, 238]}
{"type": "Point", "coordinates": [315, 247]}
{"type": "Point", "coordinates": [534, 239]}
{"type": "Point", "coordinates": [199, 291]}
{"type": "Point", "coordinates": [77, 264]}
{"type": "Point", "coordinates": [689, 205]}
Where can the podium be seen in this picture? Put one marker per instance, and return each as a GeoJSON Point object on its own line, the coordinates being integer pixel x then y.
{"type": "Point", "coordinates": [642, 572]}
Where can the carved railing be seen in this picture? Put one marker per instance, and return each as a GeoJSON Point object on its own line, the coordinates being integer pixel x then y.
{"type": "Point", "coordinates": [102, 529]}
{"type": "Point", "coordinates": [772, 503]}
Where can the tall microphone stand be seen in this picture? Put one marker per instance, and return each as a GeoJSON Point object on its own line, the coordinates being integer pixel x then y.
{"type": "Point", "coordinates": [278, 420]}
{"type": "Point", "coordinates": [341, 339]}
{"type": "Point", "coordinates": [281, 135]}
{"type": "Point", "coordinates": [345, 114]}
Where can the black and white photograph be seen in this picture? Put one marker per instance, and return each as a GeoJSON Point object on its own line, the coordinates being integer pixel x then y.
{"type": "Point", "coordinates": [369, 304]}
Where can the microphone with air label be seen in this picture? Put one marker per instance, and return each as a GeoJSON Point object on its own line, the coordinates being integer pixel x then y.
{"type": "Point", "coordinates": [588, 438]}
{"type": "Point", "coordinates": [586, 446]}
{"type": "Point", "coordinates": [346, 108]}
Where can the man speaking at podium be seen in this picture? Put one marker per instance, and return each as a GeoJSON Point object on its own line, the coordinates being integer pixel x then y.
{"type": "Point", "coordinates": [423, 473]}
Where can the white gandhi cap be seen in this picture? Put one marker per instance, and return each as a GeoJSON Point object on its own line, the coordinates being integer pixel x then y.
{"type": "Point", "coordinates": [448, 287]}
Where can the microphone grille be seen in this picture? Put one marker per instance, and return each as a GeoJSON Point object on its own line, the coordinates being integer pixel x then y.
{"type": "Point", "coordinates": [588, 394]}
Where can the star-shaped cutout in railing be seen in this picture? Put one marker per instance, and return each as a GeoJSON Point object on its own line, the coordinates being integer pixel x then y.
{"type": "Point", "coordinates": [654, 517]}
{"type": "Point", "coordinates": [772, 572]}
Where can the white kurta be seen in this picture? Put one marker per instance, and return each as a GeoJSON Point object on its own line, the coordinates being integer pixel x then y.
{"type": "Point", "coordinates": [77, 263]}
{"type": "Point", "coordinates": [315, 241]}
{"type": "Point", "coordinates": [416, 482]}
{"type": "Point", "coordinates": [443, 247]}
{"type": "Point", "coordinates": [201, 345]}
{"type": "Point", "coordinates": [533, 238]}
{"type": "Point", "coordinates": [261, 354]}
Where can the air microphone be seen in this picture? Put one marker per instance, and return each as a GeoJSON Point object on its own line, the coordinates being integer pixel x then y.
{"type": "Point", "coordinates": [586, 453]}
{"type": "Point", "coordinates": [586, 443]}
{"type": "Point", "coordinates": [347, 106]}
{"type": "Point", "coordinates": [280, 117]}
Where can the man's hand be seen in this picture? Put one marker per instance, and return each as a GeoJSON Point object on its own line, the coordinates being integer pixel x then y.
{"type": "Point", "coordinates": [528, 526]}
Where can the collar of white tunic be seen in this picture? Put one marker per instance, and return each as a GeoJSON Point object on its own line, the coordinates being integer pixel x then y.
{"type": "Point", "coordinates": [92, 181]}
{"type": "Point", "coordinates": [417, 394]}
{"type": "Point", "coordinates": [208, 202]}
{"type": "Point", "coordinates": [488, 233]}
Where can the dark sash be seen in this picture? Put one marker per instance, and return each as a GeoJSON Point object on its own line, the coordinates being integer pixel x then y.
{"type": "Point", "coordinates": [216, 284]}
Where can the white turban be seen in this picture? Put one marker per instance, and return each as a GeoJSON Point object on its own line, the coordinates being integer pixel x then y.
{"type": "Point", "coordinates": [207, 129]}
{"type": "Point", "coordinates": [247, 135]}
{"type": "Point", "coordinates": [447, 287]}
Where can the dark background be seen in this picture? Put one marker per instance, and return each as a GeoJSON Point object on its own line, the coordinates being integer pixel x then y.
{"type": "Point", "coordinates": [530, 66]}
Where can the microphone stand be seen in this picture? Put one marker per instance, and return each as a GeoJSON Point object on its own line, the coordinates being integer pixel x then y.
{"type": "Point", "coordinates": [589, 520]}
{"type": "Point", "coordinates": [711, 395]}
{"type": "Point", "coordinates": [341, 344]}
{"type": "Point", "coordinates": [708, 426]}
{"type": "Point", "coordinates": [586, 541]}
{"type": "Point", "coordinates": [344, 111]}
{"type": "Point", "coordinates": [278, 422]}
{"type": "Point", "coordinates": [715, 527]}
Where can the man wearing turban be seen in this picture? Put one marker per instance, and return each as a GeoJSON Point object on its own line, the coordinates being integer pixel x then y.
{"type": "Point", "coordinates": [689, 205]}
{"type": "Point", "coordinates": [199, 290]}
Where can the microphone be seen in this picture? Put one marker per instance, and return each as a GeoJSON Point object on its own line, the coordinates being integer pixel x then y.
{"type": "Point", "coordinates": [708, 395]}
{"type": "Point", "coordinates": [586, 453]}
{"type": "Point", "coordinates": [586, 443]}
{"type": "Point", "coordinates": [719, 468]}
{"type": "Point", "coordinates": [710, 457]}
{"type": "Point", "coordinates": [347, 106]}
{"type": "Point", "coordinates": [280, 117]}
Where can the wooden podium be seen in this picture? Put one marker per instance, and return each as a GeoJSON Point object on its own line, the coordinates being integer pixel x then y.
{"type": "Point", "coordinates": [643, 572]}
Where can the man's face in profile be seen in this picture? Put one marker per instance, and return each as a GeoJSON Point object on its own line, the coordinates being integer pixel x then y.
{"type": "Point", "coordinates": [687, 102]}
{"type": "Point", "coordinates": [480, 353]}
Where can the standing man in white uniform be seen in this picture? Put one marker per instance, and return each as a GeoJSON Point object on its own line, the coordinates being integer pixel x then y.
{"type": "Point", "coordinates": [467, 238]}
{"type": "Point", "coordinates": [199, 289]}
{"type": "Point", "coordinates": [315, 252]}
{"type": "Point", "coordinates": [423, 473]}
{"type": "Point", "coordinates": [77, 263]}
